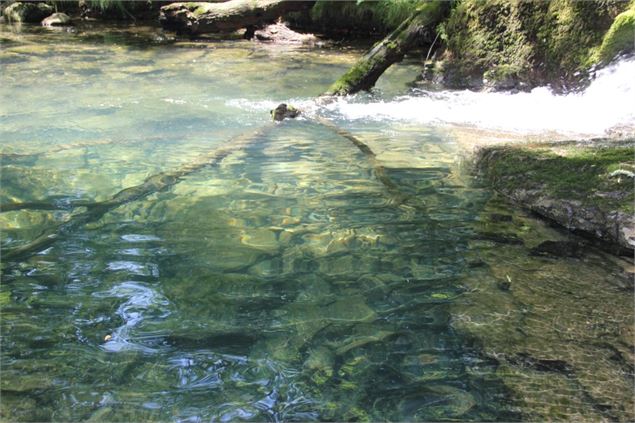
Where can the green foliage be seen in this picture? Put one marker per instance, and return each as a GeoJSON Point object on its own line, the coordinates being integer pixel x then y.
{"type": "Point", "coordinates": [106, 4]}
{"type": "Point", "coordinates": [119, 7]}
{"type": "Point", "coordinates": [381, 16]}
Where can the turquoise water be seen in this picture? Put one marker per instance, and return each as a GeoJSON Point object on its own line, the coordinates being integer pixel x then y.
{"type": "Point", "coordinates": [283, 281]}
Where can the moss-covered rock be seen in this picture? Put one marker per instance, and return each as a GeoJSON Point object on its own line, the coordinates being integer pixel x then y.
{"type": "Point", "coordinates": [619, 38]}
{"type": "Point", "coordinates": [585, 188]}
{"type": "Point", "coordinates": [498, 43]}
{"type": "Point", "coordinates": [26, 12]}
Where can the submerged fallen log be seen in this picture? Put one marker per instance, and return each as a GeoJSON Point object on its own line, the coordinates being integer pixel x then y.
{"type": "Point", "coordinates": [162, 181]}
{"type": "Point", "coordinates": [392, 49]}
{"type": "Point", "coordinates": [42, 205]}
{"type": "Point", "coordinates": [201, 18]}
{"type": "Point", "coordinates": [397, 195]}
{"type": "Point", "coordinates": [235, 14]}
{"type": "Point", "coordinates": [151, 185]}
{"type": "Point", "coordinates": [284, 111]}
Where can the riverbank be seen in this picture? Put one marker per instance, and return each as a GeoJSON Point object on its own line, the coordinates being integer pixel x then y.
{"type": "Point", "coordinates": [584, 186]}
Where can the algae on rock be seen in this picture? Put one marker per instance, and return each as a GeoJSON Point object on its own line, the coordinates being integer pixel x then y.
{"type": "Point", "coordinates": [579, 186]}
{"type": "Point", "coordinates": [503, 44]}
{"type": "Point", "coordinates": [619, 38]}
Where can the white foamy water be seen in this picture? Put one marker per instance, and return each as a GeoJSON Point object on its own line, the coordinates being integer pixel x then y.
{"type": "Point", "coordinates": [608, 102]}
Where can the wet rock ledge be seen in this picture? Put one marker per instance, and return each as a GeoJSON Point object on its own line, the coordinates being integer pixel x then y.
{"type": "Point", "coordinates": [585, 186]}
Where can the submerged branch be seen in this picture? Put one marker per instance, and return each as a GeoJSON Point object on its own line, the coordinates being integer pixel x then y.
{"type": "Point", "coordinates": [380, 171]}
{"type": "Point", "coordinates": [151, 185]}
{"type": "Point", "coordinates": [43, 205]}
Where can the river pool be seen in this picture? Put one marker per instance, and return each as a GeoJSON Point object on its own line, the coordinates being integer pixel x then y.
{"type": "Point", "coordinates": [284, 281]}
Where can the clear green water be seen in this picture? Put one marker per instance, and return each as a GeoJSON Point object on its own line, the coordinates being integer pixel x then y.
{"type": "Point", "coordinates": [284, 282]}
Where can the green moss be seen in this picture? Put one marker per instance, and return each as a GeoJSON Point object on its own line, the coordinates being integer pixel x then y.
{"type": "Point", "coordinates": [197, 9]}
{"type": "Point", "coordinates": [619, 38]}
{"type": "Point", "coordinates": [581, 174]}
{"type": "Point", "coordinates": [484, 35]}
{"type": "Point", "coordinates": [349, 80]}
{"type": "Point", "coordinates": [532, 42]}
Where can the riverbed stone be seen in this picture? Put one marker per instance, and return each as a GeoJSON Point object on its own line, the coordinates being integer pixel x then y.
{"type": "Point", "coordinates": [27, 12]}
{"type": "Point", "coordinates": [57, 19]}
{"type": "Point", "coordinates": [555, 333]}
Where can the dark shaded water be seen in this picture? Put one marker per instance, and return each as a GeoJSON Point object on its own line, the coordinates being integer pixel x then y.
{"type": "Point", "coordinates": [285, 282]}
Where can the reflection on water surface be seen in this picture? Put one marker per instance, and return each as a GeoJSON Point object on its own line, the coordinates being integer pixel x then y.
{"type": "Point", "coordinates": [284, 282]}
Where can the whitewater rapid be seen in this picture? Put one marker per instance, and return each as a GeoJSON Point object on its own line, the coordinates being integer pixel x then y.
{"type": "Point", "coordinates": [608, 103]}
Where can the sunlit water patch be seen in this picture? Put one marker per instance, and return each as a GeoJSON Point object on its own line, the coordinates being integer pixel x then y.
{"type": "Point", "coordinates": [285, 281]}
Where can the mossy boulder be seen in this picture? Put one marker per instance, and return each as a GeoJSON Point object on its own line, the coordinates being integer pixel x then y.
{"type": "Point", "coordinates": [498, 43]}
{"type": "Point", "coordinates": [27, 12]}
{"type": "Point", "coordinates": [620, 38]}
{"type": "Point", "coordinates": [585, 187]}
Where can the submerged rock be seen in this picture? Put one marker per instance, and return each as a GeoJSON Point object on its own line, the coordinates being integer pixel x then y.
{"type": "Point", "coordinates": [27, 12]}
{"type": "Point", "coordinates": [57, 19]}
{"type": "Point", "coordinates": [320, 364]}
{"type": "Point", "coordinates": [557, 249]}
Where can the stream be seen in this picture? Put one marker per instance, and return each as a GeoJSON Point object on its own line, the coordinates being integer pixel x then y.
{"type": "Point", "coordinates": [284, 282]}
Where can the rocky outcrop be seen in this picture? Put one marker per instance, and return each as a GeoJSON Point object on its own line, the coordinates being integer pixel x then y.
{"type": "Point", "coordinates": [57, 19]}
{"type": "Point", "coordinates": [619, 38]}
{"type": "Point", "coordinates": [502, 44]}
{"type": "Point", "coordinates": [582, 188]}
{"type": "Point", "coordinates": [27, 12]}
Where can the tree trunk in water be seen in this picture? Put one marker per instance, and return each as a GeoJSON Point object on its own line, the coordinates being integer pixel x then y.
{"type": "Point", "coordinates": [152, 184]}
{"type": "Point", "coordinates": [200, 18]}
{"type": "Point", "coordinates": [365, 73]}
